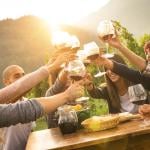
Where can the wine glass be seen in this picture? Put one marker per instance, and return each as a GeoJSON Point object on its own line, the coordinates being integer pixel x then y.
{"type": "Point", "coordinates": [138, 95]}
{"type": "Point", "coordinates": [61, 40]}
{"type": "Point", "coordinates": [92, 51]}
{"type": "Point", "coordinates": [107, 54]}
{"type": "Point", "coordinates": [76, 71]}
{"type": "Point", "coordinates": [75, 43]}
{"type": "Point", "coordinates": [105, 31]}
{"type": "Point", "coordinates": [82, 56]}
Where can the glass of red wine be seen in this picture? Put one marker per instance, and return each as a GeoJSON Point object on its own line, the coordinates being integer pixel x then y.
{"type": "Point", "coordinates": [77, 71]}
{"type": "Point", "coordinates": [106, 31]}
{"type": "Point", "coordinates": [137, 94]}
{"type": "Point", "coordinates": [92, 52]}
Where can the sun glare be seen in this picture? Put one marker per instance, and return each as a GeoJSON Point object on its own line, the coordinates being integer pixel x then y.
{"type": "Point", "coordinates": [57, 12]}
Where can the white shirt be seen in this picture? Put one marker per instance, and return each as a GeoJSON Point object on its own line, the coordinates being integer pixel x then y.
{"type": "Point", "coordinates": [126, 105]}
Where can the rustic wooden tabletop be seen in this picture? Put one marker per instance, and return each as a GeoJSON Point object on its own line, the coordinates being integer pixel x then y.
{"type": "Point", "coordinates": [53, 139]}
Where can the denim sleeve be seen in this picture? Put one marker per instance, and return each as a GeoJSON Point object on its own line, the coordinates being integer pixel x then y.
{"type": "Point", "coordinates": [20, 112]}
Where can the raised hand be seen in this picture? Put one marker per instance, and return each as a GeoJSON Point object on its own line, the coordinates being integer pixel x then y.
{"type": "Point", "coordinates": [145, 110]}
{"type": "Point", "coordinates": [114, 42]}
{"type": "Point", "coordinates": [60, 59]}
{"type": "Point", "coordinates": [76, 90]}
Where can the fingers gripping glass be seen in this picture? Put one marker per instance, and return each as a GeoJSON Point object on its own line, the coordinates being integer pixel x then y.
{"type": "Point", "coordinates": [76, 71]}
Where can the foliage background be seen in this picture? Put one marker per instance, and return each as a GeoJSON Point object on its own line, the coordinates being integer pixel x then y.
{"type": "Point", "coordinates": [26, 42]}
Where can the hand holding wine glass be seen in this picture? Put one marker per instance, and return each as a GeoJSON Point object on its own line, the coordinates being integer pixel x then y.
{"type": "Point", "coordinates": [144, 110]}
{"type": "Point", "coordinates": [76, 71]}
{"type": "Point", "coordinates": [107, 34]}
{"type": "Point", "coordinates": [92, 52]}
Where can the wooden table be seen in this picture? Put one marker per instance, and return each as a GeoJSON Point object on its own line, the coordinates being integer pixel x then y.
{"type": "Point", "coordinates": [130, 135]}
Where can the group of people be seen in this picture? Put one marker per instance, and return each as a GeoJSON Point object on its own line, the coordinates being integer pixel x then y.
{"type": "Point", "coordinates": [17, 113]}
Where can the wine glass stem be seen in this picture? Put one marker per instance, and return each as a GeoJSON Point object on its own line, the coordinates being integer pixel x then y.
{"type": "Point", "coordinates": [107, 48]}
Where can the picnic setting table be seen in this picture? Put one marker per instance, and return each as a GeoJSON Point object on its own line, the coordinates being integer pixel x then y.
{"type": "Point", "coordinates": [131, 135]}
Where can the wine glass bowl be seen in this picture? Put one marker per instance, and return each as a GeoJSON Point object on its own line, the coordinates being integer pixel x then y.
{"type": "Point", "coordinates": [106, 29]}
{"type": "Point", "coordinates": [61, 40]}
{"type": "Point", "coordinates": [91, 50]}
{"type": "Point", "coordinates": [76, 70]}
{"type": "Point", "coordinates": [137, 94]}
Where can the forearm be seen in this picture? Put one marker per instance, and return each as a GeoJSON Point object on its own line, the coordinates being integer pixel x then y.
{"type": "Point", "coordinates": [132, 75]}
{"type": "Point", "coordinates": [138, 61]}
{"type": "Point", "coordinates": [50, 104]}
{"type": "Point", "coordinates": [96, 92]}
{"type": "Point", "coordinates": [20, 112]}
{"type": "Point", "coordinates": [11, 93]}
{"type": "Point", "coordinates": [56, 88]}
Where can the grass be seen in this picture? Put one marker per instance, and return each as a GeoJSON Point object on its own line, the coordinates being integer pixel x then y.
{"type": "Point", "coordinates": [41, 124]}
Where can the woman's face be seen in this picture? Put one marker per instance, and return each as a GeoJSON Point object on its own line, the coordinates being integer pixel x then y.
{"type": "Point", "coordinates": [112, 76]}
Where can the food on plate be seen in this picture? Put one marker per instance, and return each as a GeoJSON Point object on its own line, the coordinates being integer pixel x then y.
{"type": "Point", "coordinates": [77, 107]}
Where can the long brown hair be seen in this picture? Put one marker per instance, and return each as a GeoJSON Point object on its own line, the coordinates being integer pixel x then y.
{"type": "Point", "coordinates": [112, 90]}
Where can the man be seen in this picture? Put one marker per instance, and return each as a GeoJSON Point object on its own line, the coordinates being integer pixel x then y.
{"type": "Point", "coordinates": [12, 92]}
{"type": "Point", "coordinates": [16, 136]}
{"type": "Point", "coordinates": [27, 111]}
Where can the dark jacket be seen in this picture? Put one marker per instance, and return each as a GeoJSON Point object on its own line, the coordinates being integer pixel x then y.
{"type": "Point", "coordinates": [132, 75]}
{"type": "Point", "coordinates": [102, 93]}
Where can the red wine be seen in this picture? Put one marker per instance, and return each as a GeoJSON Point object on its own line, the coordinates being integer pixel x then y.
{"type": "Point", "coordinates": [75, 77]}
{"type": "Point", "coordinates": [140, 102]}
{"type": "Point", "coordinates": [106, 37]}
{"type": "Point", "coordinates": [95, 56]}
{"type": "Point", "coordinates": [68, 127]}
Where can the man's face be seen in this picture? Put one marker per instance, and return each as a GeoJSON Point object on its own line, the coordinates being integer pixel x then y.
{"type": "Point", "coordinates": [15, 74]}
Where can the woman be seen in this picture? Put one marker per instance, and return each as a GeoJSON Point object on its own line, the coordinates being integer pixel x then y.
{"type": "Point", "coordinates": [130, 74]}
{"type": "Point", "coordinates": [115, 91]}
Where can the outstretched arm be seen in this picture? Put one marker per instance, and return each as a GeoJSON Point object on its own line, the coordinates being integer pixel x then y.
{"type": "Point", "coordinates": [26, 111]}
{"type": "Point", "coordinates": [136, 60]}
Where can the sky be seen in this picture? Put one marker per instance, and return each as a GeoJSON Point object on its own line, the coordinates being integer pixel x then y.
{"type": "Point", "coordinates": [133, 14]}
{"type": "Point", "coordinates": [53, 11]}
